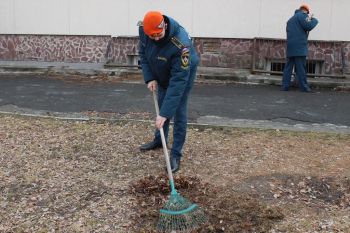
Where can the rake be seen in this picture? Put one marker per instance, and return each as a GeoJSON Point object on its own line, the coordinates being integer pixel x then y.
{"type": "Point", "coordinates": [178, 214]}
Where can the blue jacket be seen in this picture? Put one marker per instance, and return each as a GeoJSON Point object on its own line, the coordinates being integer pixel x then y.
{"type": "Point", "coordinates": [298, 27]}
{"type": "Point", "coordinates": [169, 61]}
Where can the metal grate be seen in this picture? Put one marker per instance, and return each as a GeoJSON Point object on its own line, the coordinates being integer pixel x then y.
{"type": "Point", "coordinates": [312, 66]}
{"type": "Point", "coordinates": [277, 66]}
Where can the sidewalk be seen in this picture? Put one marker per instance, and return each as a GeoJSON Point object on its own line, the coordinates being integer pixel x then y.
{"type": "Point", "coordinates": [206, 74]}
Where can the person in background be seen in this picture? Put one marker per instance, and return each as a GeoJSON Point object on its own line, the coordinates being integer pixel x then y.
{"type": "Point", "coordinates": [298, 28]}
{"type": "Point", "coordinates": [169, 63]}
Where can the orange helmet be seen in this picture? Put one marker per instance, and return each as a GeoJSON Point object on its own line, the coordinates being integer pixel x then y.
{"type": "Point", "coordinates": [153, 23]}
{"type": "Point", "coordinates": [306, 7]}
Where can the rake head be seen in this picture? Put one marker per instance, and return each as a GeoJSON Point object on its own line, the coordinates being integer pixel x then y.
{"type": "Point", "coordinates": [180, 215]}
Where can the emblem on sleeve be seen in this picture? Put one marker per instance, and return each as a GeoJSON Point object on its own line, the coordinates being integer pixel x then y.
{"type": "Point", "coordinates": [185, 58]}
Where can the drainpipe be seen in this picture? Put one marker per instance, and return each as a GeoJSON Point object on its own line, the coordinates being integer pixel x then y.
{"type": "Point", "coordinates": [254, 54]}
{"type": "Point", "coordinates": [342, 59]}
{"type": "Point", "coordinates": [108, 50]}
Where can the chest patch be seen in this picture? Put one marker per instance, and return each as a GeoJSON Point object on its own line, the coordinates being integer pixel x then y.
{"type": "Point", "coordinates": [185, 58]}
{"type": "Point", "coordinates": [162, 58]}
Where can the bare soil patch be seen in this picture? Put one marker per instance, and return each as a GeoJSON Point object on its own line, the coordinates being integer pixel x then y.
{"type": "Point", "coordinates": [78, 176]}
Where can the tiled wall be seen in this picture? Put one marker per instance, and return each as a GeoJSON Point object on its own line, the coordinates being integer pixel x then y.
{"type": "Point", "coordinates": [334, 55]}
{"type": "Point", "coordinates": [53, 48]}
{"type": "Point", "coordinates": [231, 53]}
{"type": "Point", "coordinates": [120, 47]}
{"type": "Point", "coordinates": [228, 53]}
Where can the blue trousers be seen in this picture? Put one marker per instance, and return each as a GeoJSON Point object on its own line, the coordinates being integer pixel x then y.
{"type": "Point", "coordinates": [299, 63]}
{"type": "Point", "coordinates": [180, 118]}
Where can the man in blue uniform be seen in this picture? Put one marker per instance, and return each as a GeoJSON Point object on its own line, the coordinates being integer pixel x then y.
{"type": "Point", "coordinates": [169, 63]}
{"type": "Point", "coordinates": [298, 28]}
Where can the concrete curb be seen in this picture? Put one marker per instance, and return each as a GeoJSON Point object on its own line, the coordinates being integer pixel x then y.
{"type": "Point", "coordinates": [204, 74]}
{"type": "Point", "coordinates": [206, 122]}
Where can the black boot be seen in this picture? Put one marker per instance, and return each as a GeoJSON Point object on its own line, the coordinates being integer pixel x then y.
{"type": "Point", "coordinates": [308, 90]}
{"type": "Point", "coordinates": [150, 146]}
{"type": "Point", "coordinates": [175, 163]}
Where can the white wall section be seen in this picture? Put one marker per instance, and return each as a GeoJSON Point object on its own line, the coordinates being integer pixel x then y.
{"type": "Point", "coordinates": [202, 18]}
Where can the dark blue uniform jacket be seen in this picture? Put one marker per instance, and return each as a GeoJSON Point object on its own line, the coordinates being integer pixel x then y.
{"type": "Point", "coordinates": [169, 61]}
{"type": "Point", "coordinates": [298, 27]}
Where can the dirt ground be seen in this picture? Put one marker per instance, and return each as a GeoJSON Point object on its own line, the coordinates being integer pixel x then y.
{"type": "Point", "coordinates": [78, 176]}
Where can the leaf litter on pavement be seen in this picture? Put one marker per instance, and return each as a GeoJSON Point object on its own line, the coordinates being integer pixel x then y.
{"type": "Point", "coordinates": [89, 176]}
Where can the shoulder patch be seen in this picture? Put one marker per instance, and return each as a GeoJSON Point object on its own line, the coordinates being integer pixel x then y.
{"type": "Point", "coordinates": [177, 42]}
{"type": "Point", "coordinates": [185, 58]}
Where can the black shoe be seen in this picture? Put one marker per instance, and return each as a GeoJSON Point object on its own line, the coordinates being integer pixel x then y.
{"type": "Point", "coordinates": [175, 163]}
{"type": "Point", "coordinates": [308, 90]}
{"type": "Point", "coordinates": [150, 146]}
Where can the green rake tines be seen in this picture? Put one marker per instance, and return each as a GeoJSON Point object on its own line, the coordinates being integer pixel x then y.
{"type": "Point", "coordinates": [178, 214]}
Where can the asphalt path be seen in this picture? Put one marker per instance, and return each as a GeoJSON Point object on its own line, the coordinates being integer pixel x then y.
{"type": "Point", "coordinates": [237, 105]}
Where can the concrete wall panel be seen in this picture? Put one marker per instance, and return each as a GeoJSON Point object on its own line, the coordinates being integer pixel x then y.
{"type": "Point", "coordinates": [6, 16]}
{"type": "Point", "coordinates": [96, 17]}
{"type": "Point", "coordinates": [41, 17]}
{"type": "Point", "coordinates": [227, 19]}
{"type": "Point", "coordinates": [181, 10]}
{"type": "Point", "coordinates": [202, 18]}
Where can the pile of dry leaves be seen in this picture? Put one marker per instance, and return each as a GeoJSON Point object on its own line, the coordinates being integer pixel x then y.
{"type": "Point", "coordinates": [227, 210]}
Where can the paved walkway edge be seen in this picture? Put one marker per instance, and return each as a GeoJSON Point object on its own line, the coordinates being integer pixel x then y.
{"type": "Point", "coordinates": [204, 73]}
{"type": "Point", "coordinates": [207, 122]}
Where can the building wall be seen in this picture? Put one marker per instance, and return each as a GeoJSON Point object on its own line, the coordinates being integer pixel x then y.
{"type": "Point", "coordinates": [228, 53]}
{"type": "Point", "coordinates": [213, 52]}
{"type": "Point", "coordinates": [202, 18]}
{"type": "Point", "coordinates": [104, 31]}
{"type": "Point", "coordinates": [334, 56]}
{"type": "Point", "coordinates": [52, 48]}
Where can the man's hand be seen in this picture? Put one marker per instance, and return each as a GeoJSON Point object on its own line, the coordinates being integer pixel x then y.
{"type": "Point", "coordinates": [310, 16]}
{"type": "Point", "coordinates": [160, 122]}
{"type": "Point", "coordinates": [152, 85]}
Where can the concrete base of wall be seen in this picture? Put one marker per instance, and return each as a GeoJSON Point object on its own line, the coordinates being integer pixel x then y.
{"type": "Point", "coordinates": [133, 74]}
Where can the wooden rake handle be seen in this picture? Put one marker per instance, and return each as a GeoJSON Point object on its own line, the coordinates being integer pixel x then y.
{"type": "Point", "coordinates": [165, 149]}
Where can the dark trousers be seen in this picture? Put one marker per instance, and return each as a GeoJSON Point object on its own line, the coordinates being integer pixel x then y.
{"type": "Point", "coordinates": [299, 63]}
{"type": "Point", "coordinates": [180, 118]}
